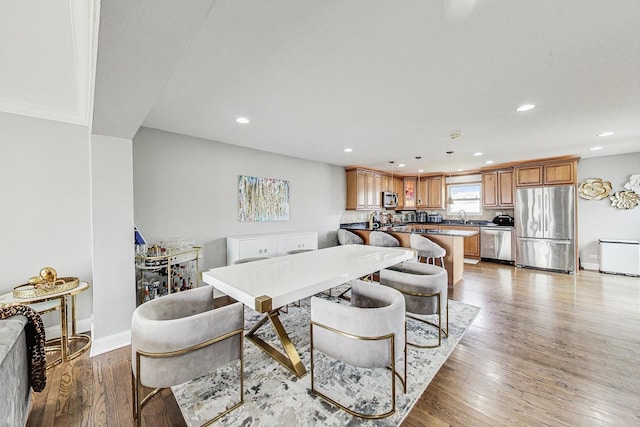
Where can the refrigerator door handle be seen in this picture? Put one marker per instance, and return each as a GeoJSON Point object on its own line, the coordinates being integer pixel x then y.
{"type": "Point", "coordinates": [547, 207]}
{"type": "Point", "coordinates": [557, 242]}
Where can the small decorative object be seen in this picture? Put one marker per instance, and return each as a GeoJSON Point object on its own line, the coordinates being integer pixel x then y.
{"type": "Point", "coordinates": [45, 284]}
{"type": "Point", "coordinates": [625, 200]}
{"type": "Point", "coordinates": [594, 189]}
{"type": "Point", "coordinates": [633, 184]}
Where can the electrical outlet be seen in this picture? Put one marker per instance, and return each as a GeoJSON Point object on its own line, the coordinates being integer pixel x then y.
{"type": "Point", "coordinates": [593, 256]}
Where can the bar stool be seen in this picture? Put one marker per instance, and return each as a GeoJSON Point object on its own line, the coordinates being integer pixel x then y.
{"type": "Point", "coordinates": [346, 237]}
{"type": "Point", "coordinates": [380, 238]}
{"type": "Point", "coordinates": [427, 249]}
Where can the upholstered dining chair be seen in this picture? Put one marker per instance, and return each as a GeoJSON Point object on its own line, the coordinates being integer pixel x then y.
{"type": "Point", "coordinates": [380, 238]}
{"type": "Point", "coordinates": [368, 333]}
{"type": "Point", "coordinates": [180, 337]}
{"type": "Point", "coordinates": [427, 249]}
{"type": "Point", "coordinates": [346, 237]}
{"type": "Point", "coordinates": [425, 291]}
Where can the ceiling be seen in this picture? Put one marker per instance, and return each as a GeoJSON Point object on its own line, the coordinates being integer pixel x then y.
{"type": "Point", "coordinates": [390, 79]}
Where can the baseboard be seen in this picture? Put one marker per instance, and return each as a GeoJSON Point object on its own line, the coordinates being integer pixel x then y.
{"type": "Point", "coordinates": [110, 343]}
{"type": "Point", "coordinates": [591, 266]}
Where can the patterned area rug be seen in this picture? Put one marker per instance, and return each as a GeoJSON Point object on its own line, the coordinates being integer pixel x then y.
{"type": "Point", "coordinates": [275, 397]}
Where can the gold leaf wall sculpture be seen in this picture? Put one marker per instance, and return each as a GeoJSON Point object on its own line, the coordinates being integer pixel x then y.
{"type": "Point", "coordinates": [625, 200]}
{"type": "Point", "coordinates": [594, 189]}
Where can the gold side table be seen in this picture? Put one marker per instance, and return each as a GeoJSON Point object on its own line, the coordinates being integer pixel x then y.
{"type": "Point", "coordinates": [50, 303]}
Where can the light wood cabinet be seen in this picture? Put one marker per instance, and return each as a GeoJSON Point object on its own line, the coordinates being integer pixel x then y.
{"type": "Point", "coordinates": [364, 190]}
{"type": "Point", "coordinates": [546, 174]}
{"type": "Point", "coordinates": [497, 188]}
{"type": "Point", "coordinates": [471, 243]}
{"type": "Point", "coordinates": [431, 192]}
{"type": "Point", "coordinates": [528, 175]}
{"type": "Point", "coordinates": [409, 192]}
{"type": "Point", "coordinates": [399, 189]}
{"type": "Point", "coordinates": [560, 173]}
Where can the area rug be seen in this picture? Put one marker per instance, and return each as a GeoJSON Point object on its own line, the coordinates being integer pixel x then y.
{"type": "Point", "coordinates": [471, 261]}
{"type": "Point", "coordinates": [275, 397]}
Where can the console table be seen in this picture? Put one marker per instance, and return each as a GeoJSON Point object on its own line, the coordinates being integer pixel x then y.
{"type": "Point", "coordinates": [52, 302]}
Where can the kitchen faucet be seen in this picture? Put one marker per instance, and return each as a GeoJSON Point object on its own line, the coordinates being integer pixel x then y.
{"type": "Point", "coordinates": [462, 215]}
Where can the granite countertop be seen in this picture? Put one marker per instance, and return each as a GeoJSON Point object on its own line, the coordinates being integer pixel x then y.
{"type": "Point", "coordinates": [413, 228]}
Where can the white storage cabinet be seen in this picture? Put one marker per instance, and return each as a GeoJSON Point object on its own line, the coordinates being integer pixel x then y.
{"type": "Point", "coordinates": [620, 256]}
{"type": "Point", "coordinates": [269, 245]}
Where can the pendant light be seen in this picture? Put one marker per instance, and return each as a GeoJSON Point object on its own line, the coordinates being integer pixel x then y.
{"type": "Point", "coordinates": [449, 199]}
{"type": "Point", "coordinates": [418, 199]}
{"type": "Point", "coordinates": [393, 184]}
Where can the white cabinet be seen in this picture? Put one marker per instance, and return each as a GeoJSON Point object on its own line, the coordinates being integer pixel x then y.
{"type": "Point", "coordinates": [269, 245]}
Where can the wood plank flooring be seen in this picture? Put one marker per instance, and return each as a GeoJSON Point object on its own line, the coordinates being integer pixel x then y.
{"type": "Point", "coordinates": [546, 349]}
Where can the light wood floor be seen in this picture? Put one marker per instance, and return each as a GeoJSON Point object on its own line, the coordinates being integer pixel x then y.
{"type": "Point", "coordinates": [546, 349]}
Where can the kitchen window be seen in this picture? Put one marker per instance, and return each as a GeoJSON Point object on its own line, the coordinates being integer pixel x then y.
{"type": "Point", "coordinates": [466, 197]}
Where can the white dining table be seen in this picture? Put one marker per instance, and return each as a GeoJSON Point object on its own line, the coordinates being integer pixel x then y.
{"type": "Point", "coordinates": [269, 284]}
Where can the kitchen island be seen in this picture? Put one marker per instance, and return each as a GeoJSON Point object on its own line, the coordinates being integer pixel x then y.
{"type": "Point", "coordinates": [451, 240]}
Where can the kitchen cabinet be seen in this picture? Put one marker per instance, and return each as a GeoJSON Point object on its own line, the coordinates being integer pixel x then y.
{"type": "Point", "coordinates": [409, 191]}
{"type": "Point", "coordinates": [364, 189]}
{"type": "Point", "coordinates": [471, 243]}
{"type": "Point", "coordinates": [560, 173]}
{"type": "Point", "coordinates": [497, 189]}
{"type": "Point", "coordinates": [431, 192]}
{"type": "Point", "coordinates": [554, 173]}
{"type": "Point", "coordinates": [269, 245]}
{"type": "Point", "coordinates": [399, 189]}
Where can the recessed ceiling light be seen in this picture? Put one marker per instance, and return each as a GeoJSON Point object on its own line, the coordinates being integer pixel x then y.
{"type": "Point", "coordinates": [489, 162]}
{"type": "Point", "coordinates": [348, 150]}
{"type": "Point", "coordinates": [242, 120]}
{"type": "Point", "coordinates": [595, 148]}
{"type": "Point", "coordinates": [420, 170]}
{"type": "Point", "coordinates": [477, 154]}
{"type": "Point", "coordinates": [525, 107]}
{"type": "Point", "coordinates": [460, 170]}
{"type": "Point", "coordinates": [401, 165]}
{"type": "Point", "coordinates": [608, 133]}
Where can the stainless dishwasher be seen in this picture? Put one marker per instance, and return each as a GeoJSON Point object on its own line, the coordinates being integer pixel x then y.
{"type": "Point", "coordinates": [496, 243]}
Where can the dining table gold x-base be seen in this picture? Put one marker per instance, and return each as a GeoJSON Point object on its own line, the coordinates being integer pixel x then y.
{"type": "Point", "coordinates": [270, 284]}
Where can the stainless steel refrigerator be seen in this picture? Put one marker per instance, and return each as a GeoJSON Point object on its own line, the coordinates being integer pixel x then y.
{"type": "Point", "coordinates": [545, 228]}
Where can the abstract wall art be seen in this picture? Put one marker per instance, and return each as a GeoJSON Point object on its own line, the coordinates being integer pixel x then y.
{"type": "Point", "coordinates": [262, 199]}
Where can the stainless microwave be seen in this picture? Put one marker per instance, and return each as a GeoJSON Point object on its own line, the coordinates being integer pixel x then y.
{"type": "Point", "coordinates": [389, 199]}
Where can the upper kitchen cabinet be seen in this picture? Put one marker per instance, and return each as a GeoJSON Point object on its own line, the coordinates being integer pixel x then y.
{"type": "Point", "coordinates": [399, 189]}
{"type": "Point", "coordinates": [431, 192]}
{"type": "Point", "coordinates": [497, 189]}
{"type": "Point", "coordinates": [549, 173]}
{"type": "Point", "coordinates": [364, 189]}
{"type": "Point", "coordinates": [409, 193]}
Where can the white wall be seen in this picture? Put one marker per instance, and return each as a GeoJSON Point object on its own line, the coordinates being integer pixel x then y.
{"type": "Point", "coordinates": [45, 203]}
{"type": "Point", "coordinates": [185, 186]}
{"type": "Point", "coordinates": [597, 219]}
{"type": "Point", "coordinates": [113, 258]}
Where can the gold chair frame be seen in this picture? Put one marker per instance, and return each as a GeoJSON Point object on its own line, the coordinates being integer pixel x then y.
{"type": "Point", "coordinates": [136, 385]}
{"type": "Point", "coordinates": [439, 325]}
{"type": "Point", "coordinates": [394, 372]}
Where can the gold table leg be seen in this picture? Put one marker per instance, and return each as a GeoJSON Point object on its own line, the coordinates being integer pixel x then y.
{"type": "Point", "coordinates": [290, 359]}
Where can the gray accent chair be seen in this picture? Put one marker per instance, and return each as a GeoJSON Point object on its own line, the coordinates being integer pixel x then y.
{"type": "Point", "coordinates": [14, 372]}
{"type": "Point", "coordinates": [368, 333]}
{"type": "Point", "coordinates": [346, 237]}
{"type": "Point", "coordinates": [425, 291]}
{"type": "Point", "coordinates": [180, 337]}
{"type": "Point", "coordinates": [427, 249]}
{"type": "Point", "coordinates": [380, 238]}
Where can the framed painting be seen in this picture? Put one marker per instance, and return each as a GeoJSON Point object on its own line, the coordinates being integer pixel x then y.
{"type": "Point", "coordinates": [262, 199]}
